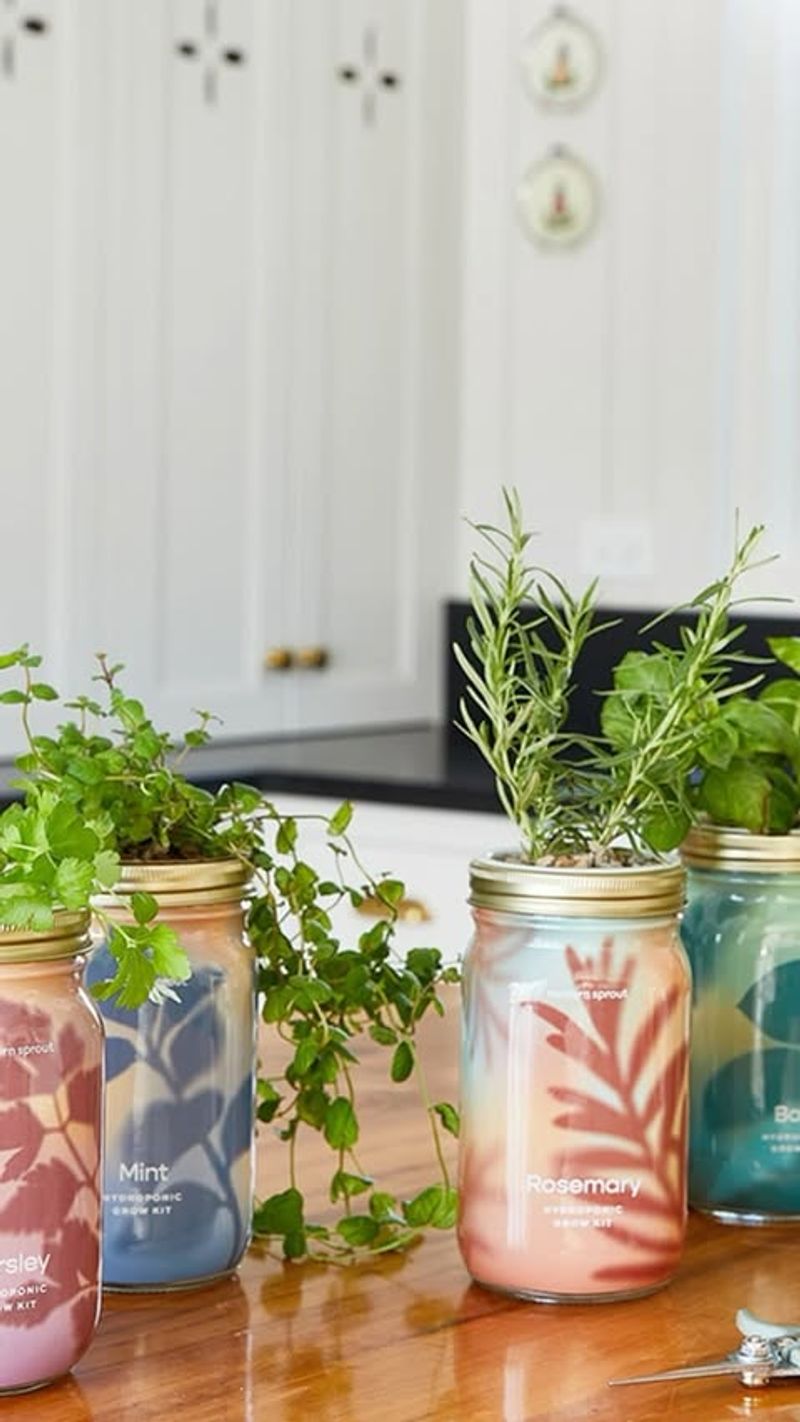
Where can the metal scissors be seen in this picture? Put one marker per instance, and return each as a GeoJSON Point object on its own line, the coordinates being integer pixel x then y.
{"type": "Point", "coordinates": [767, 1351]}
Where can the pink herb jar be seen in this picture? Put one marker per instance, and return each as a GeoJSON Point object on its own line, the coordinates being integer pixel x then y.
{"type": "Point", "coordinates": [51, 1101]}
{"type": "Point", "coordinates": [574, 1081]}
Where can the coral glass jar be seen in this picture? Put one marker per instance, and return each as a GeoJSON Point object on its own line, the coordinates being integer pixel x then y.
{"type": "Point", "coordinates": [51, 1107]}
{"type": "Point", "coordinates": [574, 1067]}
{"type": "Point", "coordinates": [742, 934]}
{"type": "Point", "coordinates": [178, 1178]}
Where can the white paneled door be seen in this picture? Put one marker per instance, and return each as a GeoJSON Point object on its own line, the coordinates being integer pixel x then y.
{"type": "Point", "coordinates": [51, 95]}
{"type": "Point", "coordinates": [373, 345]}
{"type": "Point", "coordinates": [227, 361]}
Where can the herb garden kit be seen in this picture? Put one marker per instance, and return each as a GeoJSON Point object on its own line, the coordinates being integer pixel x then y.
{"type": "Point", "coordinates": [205, 912]}
{"type": "Point", "coordinates": [576, 986]}
{"type": "Point", "coordinates": [742, 933]}
{"type": "Point", "coordinates": [51, 1105]}
{"type": "Point", "coordinates": [180, 1088]}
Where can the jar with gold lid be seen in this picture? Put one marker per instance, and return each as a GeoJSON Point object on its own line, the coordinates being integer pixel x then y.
{"type": "Point", "coordinates": [574, 1066]}
{"type": "Point", "coordinates": [742, 934]}
{"type": "Point", "coordinates": [51, 1107]}
{"type": "Point", "coordinates": [178, 1179]}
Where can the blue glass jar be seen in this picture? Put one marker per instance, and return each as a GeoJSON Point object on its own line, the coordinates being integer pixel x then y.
{"type": "Point", "coordinates": [742, 933]}
{"type": "Point", "coordinates": [180, 1084]}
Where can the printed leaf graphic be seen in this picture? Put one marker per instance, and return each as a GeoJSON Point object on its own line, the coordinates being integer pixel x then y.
{"type": "Point", "coordinates": [171, 1128]}
{"type": "Point", "coordinates": [197, 1044]}
{"type": "Point", "coordinates": [644, 1040]}
{"type": "Point", "coordinates": [735, 1095]}
{"type": "Point", "coordinates": [237, 1127]}
{"type": "Point", "coordinates": [83, 1095]}
{"type": "Point", "coordinates": [593, 1115]}
{"type": "Point", "coordinates": [44, 1202]}
{"type": "Point", "coordinates": [667, 1092]}
{"type": "Point", "coordinates": [22, 1132]}
{"type": "Point", "coordinates": [597, 1159]}
{"type": "Point", "coordinates": [120, 1054]}
{"type": "Point", "coordinates": [573, 1041]}
{"type": "Point", "coordinates": [669, 1248]}
{"type": "Point", "coordinates": [771, 1003]}
{"type": "Point", "coordinates": [71, 1049]}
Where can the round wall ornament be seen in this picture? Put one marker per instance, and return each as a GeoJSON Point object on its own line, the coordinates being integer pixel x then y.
{"type": "Point", "coordinates": [557, 200]}
{"type": "Point", "coordinates": [561, 61]}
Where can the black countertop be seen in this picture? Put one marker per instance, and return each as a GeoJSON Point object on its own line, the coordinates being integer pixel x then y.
{"type": "Point", "coordinates": [406, 765]}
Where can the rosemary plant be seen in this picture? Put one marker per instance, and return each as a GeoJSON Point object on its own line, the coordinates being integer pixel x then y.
{"type": "Point", "coordinates": [624, 795]}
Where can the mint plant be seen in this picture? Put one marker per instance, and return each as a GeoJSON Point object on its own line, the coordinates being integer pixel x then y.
{"type": "Point", "coordinates": [622, 796]}
{"type": "Point", "coordinates": [107, 787]}
{"type": "Point", "coordinates": [749, 774]}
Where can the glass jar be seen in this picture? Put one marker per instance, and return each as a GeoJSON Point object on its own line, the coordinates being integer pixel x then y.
{"type": "Point", "coordinates": [51, 1108]}
{"type": "Point", "coordinates": [742, 934]}
{"type": "Point", "coordinates": [180, 1084]}
{"type": "Point", "coordinates": [574, 1067]}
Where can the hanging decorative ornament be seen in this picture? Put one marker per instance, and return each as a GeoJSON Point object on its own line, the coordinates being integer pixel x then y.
{"type": "Point", "coordinates": [557, 200]}
{"type": "Point", "coordinates": [561, 61]}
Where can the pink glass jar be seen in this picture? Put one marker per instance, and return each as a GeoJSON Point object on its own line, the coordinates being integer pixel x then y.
{"type": "Point", "coordinates": [574, 1071]}
{"type": "Point", "coordinates": [51, 1101]}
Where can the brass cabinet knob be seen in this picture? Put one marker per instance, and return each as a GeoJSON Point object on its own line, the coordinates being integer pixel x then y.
{"type": "Point", "coordinates": [278, 659]}
{"type": "Point", "coordinates": [312, 658]}
{"type": "Point", "coordinates": [408, 910]}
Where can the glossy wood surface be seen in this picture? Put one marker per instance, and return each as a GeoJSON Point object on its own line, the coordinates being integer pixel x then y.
{"type": "Point", "coordinates": [406, 1339]}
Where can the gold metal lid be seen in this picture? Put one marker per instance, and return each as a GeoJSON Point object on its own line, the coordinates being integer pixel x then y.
{"type": "Point", "coordinates": [180, 883]}
{"type": "Point", "coordinates": [723, 847]}
{"type": "Point", "coordinates": [68, 936]}
{"type": "Point", "coordinates": [504, 882]}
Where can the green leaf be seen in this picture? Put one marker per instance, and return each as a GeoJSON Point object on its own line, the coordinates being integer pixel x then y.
{"type": "Point", "coordinates": [666, 828]}
{"type": "Point", "coordinates": [339, 822]}
{"type": "Point", "coordinates": [40, 691]}
{"type": "Point", "coordinates": [344, 1185]}
{"type": "Point", "coordinates": [383, 1206]}
{"type": "Point", "coordinates": [358, 1230]}
{"type": "Point", "coordinates": [74, 881]}
{"type": "Point", "coordinates": [286, 837]}
{"type": "Point", "coordinates": [280, 1214]}
{"type": "Point", "coordinates": [391, 891]}
{"type": "Point", "coordinates": [436, 1206]}
{"type": "Point", "coordinates": [341, 1126]}
{"type": "Point", "coordinates": [448, 1116]}
{"type": "Point", "coordinates": [106, 868]}
{"type": "Point", "coordinates": [144, 907]}
{"type": "Point", "coordinates": [12, 697]}
{"type": "Point", "coordinates": [738, 796]}
{"type": "Point", "coordinates": [787, 650]}
{"type": "Point", "coordinates": [402, 1061]}
{"type": "Point", "coordinates": [385, 1036]}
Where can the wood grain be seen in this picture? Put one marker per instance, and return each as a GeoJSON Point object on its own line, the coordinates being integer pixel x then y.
{"type": "Point", "coordinates": [407, 1339]}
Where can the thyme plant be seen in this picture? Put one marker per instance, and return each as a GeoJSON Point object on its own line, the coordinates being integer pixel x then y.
{"type": "Point", "coordinates": [623, 795]}
{"type": "Point", "coordinates": [108, 787]}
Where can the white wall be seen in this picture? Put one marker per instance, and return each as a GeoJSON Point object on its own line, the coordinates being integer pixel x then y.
{"type": "Point", "coordinates": [642, 387]}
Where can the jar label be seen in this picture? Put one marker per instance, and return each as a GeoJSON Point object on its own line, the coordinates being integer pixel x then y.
{"type": "Point", "coordinates": [50, 1114]}
{"type": "Point", "coordinates": [575, 1117]}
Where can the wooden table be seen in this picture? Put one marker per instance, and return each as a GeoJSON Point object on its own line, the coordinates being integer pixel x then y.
{"type": "Point", "coordinates": [409, 1338]}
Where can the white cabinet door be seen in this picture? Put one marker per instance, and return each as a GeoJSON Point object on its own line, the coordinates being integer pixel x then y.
{"type": "Point", "coordinates": [372, 337]}
{"type": "Point", "coordinates": [51, 91]}
{"type": "Point", "coordinates": [190, 525]}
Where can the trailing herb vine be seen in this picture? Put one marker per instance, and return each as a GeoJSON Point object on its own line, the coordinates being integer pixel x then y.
{"type": "Point", "coordinates": [107, 787]}
{"type": "Point", "coordinates": [625, 794]}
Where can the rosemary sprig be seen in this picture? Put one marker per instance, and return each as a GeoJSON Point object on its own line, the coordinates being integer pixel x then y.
{"type": "Point", "coordinates": [626, 792]}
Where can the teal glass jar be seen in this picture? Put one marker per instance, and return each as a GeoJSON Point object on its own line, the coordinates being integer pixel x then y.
{"type": "Point", "coordinates": [742, 933]}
